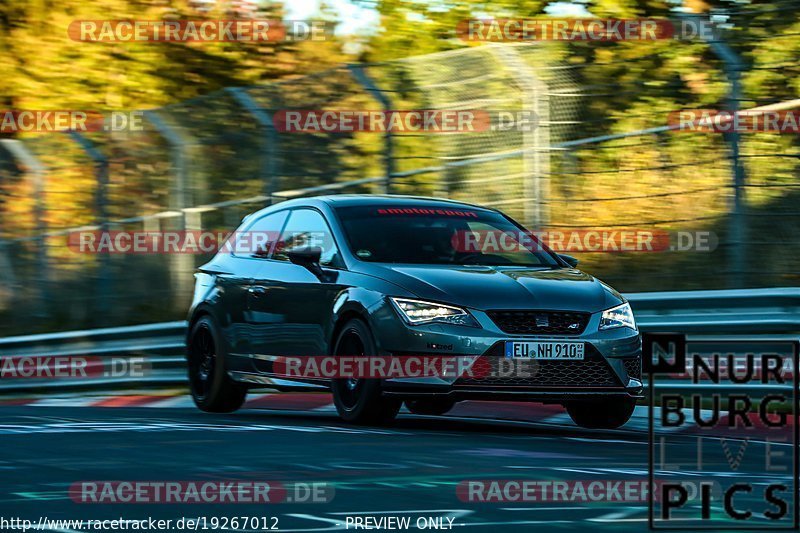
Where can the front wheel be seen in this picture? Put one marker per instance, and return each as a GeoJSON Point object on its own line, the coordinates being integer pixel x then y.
{"type": "Point", "coordinates": [212, 390]}
{"type": "Point", "coordinates": [359, 400]}
{"type": "Point", "coordinates": [601, 414]}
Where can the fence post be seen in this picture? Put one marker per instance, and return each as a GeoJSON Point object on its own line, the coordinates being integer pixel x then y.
{"type": "Point", "coordinates": [101, 204]}
{"type": "Point", "coordinates": [386, 103]}
{"type": "Point", "coordinates": [570, 170]}
{"type": "Point", "coordinates": [269, 142]}
{"type": "Point", "coordinates": [178, 198]}
{"type": "Point", "coordinates": [738, 227]}
{"type": "Point", "coordinates": [181, 266]}
{"type": "Point", "coordinates": [733, 68]}
{"type": "Point", "coordinates": [6, 266]}
{"type": "Point", "coordinates": [36, 169]}
{"type": "Point", "coordinates": [535, 139]}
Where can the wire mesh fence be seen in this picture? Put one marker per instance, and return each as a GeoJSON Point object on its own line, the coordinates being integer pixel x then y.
{"type": "Point", "coordinates": [203, 164]}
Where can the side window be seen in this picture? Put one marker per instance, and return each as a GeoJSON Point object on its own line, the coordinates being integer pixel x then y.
{"type": "Point", "coordinates": [259, 239]}
{"type": "Point", "coordinates": [307, 227]}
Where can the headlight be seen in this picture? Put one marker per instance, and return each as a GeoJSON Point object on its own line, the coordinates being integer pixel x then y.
{"type": "Point", "coordinates": [618, 317]}
{"type": "Point", "coordinates": [418, 312]}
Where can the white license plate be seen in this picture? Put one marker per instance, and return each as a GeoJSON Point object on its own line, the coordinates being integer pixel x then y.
{"type": "Point", "coordinates": [545, 350]}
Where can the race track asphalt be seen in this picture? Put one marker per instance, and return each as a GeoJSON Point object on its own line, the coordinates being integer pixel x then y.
{"type": "Point", "coordinates": [411, 469]}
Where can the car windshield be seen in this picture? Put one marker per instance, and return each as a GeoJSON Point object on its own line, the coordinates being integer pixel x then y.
{"type": "Point", "coordinates": [440, 235]}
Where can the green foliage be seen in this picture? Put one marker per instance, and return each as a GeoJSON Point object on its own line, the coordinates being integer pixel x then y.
{"type": "Point", "coordinates": [42, 68]}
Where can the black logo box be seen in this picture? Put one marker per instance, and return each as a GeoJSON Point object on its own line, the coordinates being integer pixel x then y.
{"type": "Point", "coordinates": [671, 349]}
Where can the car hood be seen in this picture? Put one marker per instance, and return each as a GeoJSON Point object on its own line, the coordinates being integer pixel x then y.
{"type": "Point", "coordinates": [501, 287]}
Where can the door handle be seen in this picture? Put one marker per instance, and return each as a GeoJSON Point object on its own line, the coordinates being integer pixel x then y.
{"type": "Point", "coordinates": [257, 291]}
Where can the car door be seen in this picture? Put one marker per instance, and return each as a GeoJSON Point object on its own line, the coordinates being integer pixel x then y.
{"type": "Point", "coordinates": [250, 247]}
{"type": "Point", "coordinates": [298, 302]}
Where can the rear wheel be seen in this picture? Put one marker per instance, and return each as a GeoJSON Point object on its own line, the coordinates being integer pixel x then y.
{"type": "Point", "coordinates": [360, 400]}
{"type": "Point", "coordinates": [435, 407]}
{"type": "Point", "coordinates": [212, 390]}
{"type": "Point", "coordinates": [608, 413]}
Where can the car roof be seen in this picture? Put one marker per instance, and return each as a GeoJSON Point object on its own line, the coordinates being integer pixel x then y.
{"type": "Point", "coordinates": [360, 200]}
{"type": "Point", "coordinates": [350, 200]}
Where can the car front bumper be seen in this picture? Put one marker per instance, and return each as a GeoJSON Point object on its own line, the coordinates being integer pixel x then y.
{"type": "Point", "coordinates": [611, 366]}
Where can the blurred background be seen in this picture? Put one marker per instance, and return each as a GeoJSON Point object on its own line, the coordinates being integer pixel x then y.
{"type": "Point", "coordinates": [207, 153]}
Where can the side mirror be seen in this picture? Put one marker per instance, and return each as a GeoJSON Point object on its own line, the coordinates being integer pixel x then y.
{"type": "Point", "coordinates": [568, 259]}
{"type": "Point", "coordinates": [307, 256]}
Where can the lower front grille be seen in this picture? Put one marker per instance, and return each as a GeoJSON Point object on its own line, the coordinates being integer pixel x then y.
{"type": "Point", "coordinates": [494, 371]}
{"type": "Point", "coordinates": [633, 367]}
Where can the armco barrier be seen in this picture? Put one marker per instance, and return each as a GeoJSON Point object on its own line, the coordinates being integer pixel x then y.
{"type": "Point", "coordinates": [161, 346]}
{"type": "Point", "coordinates": [747, 311]}
{"type": "Point", "coordinates": [723, 315]}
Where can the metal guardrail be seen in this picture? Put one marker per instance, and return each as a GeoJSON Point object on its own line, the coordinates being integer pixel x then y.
{"type": "Point", "coordinates": [158, 347]}
{"type": "Point", "coordinates": [748, 314]}
{"type": "Point", "coordinates": [753, 311]}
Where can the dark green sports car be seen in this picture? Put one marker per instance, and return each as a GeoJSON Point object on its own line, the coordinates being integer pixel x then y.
{"type": "Point", "coordinates": [395, 279]}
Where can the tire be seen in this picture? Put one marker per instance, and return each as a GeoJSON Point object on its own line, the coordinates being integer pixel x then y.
{"type": "Point", "coordinates": [433, 407]}
{"type": "Point", "coordinates": [360, 401]}
{"type": "Point", "coordinates": [211, 388]}
{"type": "Point", "coordinates": [601, 414]}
